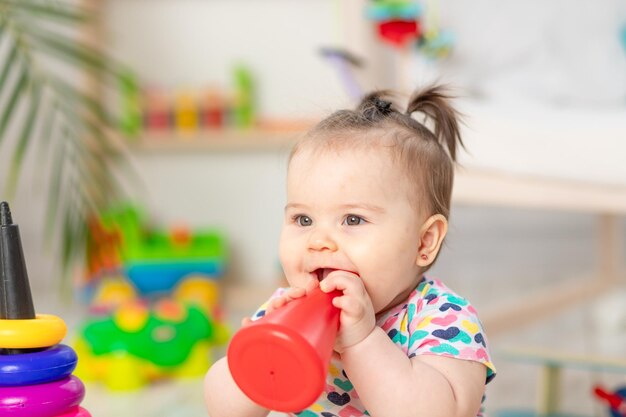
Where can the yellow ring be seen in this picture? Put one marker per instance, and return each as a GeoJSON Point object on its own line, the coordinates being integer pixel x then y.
{"type": "Point", "coordinates": [44, 331]}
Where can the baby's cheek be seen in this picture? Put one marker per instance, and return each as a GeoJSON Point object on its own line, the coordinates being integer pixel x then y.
{"type": "Point", "coordinates": [378, 302]}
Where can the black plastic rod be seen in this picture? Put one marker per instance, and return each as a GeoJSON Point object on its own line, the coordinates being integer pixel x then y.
{"type": "Point", "coordinates": [16, 301]}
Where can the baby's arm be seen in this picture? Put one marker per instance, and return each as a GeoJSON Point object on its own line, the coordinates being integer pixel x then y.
{"type": "Point", "coordinates": [222, 396]}
{"type": "Point", "coordinates": [425, 385]}
{"type": "Point", "coordinates": [388, 382]}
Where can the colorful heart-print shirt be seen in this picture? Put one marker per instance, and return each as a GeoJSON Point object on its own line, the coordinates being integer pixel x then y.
{"type": "Point", "coordinates": [433, 321]}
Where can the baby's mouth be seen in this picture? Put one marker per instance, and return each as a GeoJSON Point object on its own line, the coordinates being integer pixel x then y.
{"type": "Point", "coordinates": [322, 273]}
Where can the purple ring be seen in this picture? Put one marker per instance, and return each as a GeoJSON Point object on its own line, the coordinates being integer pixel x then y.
{"type": "Point", "coordinates": [75, 412]}
{"type": "Point", "coordinates": [40, 367]}
{"type": "Point", "coordinates": [43, 400]}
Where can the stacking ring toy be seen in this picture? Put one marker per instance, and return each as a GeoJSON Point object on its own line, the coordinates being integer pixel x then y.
{"type": "Point", "coordinates": [43, 400]}
{"type": "Point", "coordinates": [33, 368]}
{"type": "Point", "coordinates": [44, 331]}
{"type": "Point", "coordinates": [78, 412]}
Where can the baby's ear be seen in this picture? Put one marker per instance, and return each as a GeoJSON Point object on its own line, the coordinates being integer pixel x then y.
{"type": "Point", "coordinates": [432, 233]}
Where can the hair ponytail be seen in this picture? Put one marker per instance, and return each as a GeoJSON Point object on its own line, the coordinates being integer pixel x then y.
{"type": "Point", "coordinates": [433, 102]}
{"type": "Point", "coordinates": [374, 107]}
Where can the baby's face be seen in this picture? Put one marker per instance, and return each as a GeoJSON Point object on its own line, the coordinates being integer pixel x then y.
{"type": "Point", "coordinates": [351, 211]}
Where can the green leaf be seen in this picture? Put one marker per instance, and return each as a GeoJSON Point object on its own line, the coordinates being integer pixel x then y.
{"type": "Point", "coordinates": [48, 130]}
{"type": "Point", "coordinates": [49, 10]}
{"type": "Point", "coordinates": [69, 235]}
{"type": "Point", "coordinates": [27, 132]}
{"type": "Point", "coordinates": [8, 65]}
{"type": "Point", "coordinates": [18, 88]}
{"type": "Point", "coordinates": [69, 92]}
{"type": "Point", "coordinates": [72, 126]}
{"type": "Point", "coordinates": [56, 180]}
{"type": "Point", "coordinates": [92, 187]}
{"type": "Point", "coordinates": [61, 46]}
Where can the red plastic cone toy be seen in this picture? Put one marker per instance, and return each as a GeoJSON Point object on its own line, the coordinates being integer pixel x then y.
{"type": "Point", "coordinates": [280, 361]}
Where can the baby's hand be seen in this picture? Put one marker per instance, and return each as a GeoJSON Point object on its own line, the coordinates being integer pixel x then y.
{"type": "Point", "coordinates": [357, 319]}
{"type": "Point", "coordinates": [290, 295]}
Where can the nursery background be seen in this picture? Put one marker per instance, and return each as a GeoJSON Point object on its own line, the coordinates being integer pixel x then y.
{"type": "Point", "coordinates": [143, 154]}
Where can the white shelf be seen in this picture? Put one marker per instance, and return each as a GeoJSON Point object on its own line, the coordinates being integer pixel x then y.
{"type": "Point", "coordinates": [473, 186]}
{"type": "Point", "coordinates": [493, 188]}
{"type": "Point", "coordinates": [276, 135]}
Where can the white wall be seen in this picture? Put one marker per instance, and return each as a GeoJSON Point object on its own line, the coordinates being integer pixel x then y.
{"type": "Point", "coordinates": [242, 193]}
{"type": "Point", "coordinates": [191, 43]}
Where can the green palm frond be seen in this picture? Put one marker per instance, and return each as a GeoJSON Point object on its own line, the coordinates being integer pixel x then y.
{"type": "Point", "coordinates": [42, 106]}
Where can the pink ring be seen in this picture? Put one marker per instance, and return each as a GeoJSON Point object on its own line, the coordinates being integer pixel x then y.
{"type": "Point", "coordinates": [77, 412]}
{"type": "Point", "coordinates": [42, 400]}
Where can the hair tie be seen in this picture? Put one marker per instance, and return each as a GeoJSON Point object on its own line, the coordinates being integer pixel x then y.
{"type": "Point", "coordinates": [383, 106]}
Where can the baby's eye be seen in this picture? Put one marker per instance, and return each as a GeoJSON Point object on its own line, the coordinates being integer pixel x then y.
{"type": "Point", "coordinates": [352, 220]}
{"type": "Point", "coordinates": [302, 220]}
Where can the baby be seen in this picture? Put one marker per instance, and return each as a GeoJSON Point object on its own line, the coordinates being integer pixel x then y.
{"type": "Point", "coordinates": [368, 198]}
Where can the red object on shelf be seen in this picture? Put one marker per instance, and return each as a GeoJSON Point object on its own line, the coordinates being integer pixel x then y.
{"type": "Point", "coordinates": [399, 32]}
{"type": "Point", "coordinates": [213, 109]}
{"type": "Point", "coordinates": [213, 117]}
{"type": "Point", "coordinates": [158, 120]}
{"type": "Point", "coordinates": [157, 110]}
{"type": "Point", "coordinates": [280, 361]}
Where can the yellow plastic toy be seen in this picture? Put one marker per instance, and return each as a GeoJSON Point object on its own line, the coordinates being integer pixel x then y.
{"type": "Point", "coordinates": [43, 331]}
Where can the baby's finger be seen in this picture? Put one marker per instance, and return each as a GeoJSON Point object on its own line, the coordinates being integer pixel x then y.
{"type": "Point", "coordinates": [274, 304]}
{"type": "Point", "coordinates": [351, 306]}
{"type": "Point", "coordinates": [294, 293]}
{"type": "Point", "coordinates": [343, 281]}
{"type": "Point", "coordinates": [246, 321]}
{"type": "Point", "coordinates": [311, 285]}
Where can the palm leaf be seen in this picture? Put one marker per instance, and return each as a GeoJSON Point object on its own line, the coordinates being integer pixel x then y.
{"type": "Point", "coordinates": [67, 49]}
{"type": "Point", "coordinates": [49, 130]}
{"type": "Point", "coordinates": [39, 9]}
{"type": "Point", "coordinates": [60, 117]}
{"type": "Point", "coordinates": [9, 62]}
{"type": "Point", "coordinates": [80, 99]}
{"type": "Point", "coordinates": [15, 96]}
{"type": "Point", "coordinates": [54, 190]}
{"type": "Point", "coordinates": [25, 137]}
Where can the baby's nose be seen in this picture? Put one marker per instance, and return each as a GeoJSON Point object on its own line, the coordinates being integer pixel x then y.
{"type": "Point", "coordinates": [321, 240]}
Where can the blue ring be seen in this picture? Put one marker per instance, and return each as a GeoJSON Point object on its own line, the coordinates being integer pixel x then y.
{"type": "Point", "coordinates": [32, 368]}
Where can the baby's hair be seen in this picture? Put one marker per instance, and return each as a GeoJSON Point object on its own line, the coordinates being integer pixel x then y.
{"type": "Point", "coordinates": [428, 156]}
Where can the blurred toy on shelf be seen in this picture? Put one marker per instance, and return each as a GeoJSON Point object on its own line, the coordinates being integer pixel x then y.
{"type": "Point", "coordinates": [131, 105]}
{"type": "Point", "coordinates": [436, 44]}
{"type": "Point", "coordinates": [35, 368]}
{"type": "Point", "coordinates": [243, 110]}
{"type": "Point", "coordinates": [397, 21]}
{"type": "Point", "coordinates": [212, 109]}
{"type": "Point", "coordinates": [156, 109]}
{"type": "Point", "coordinates": [188, 111]}
{"type": "Point", "coordinates": [154, 300]}
{"type": "Point", "coordinates": [345, 63]}
{"type": "Point", "coordinates": [403, 23]}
